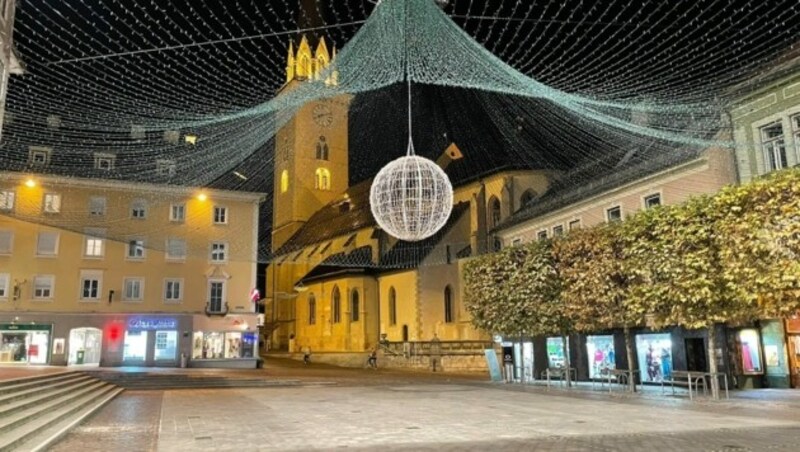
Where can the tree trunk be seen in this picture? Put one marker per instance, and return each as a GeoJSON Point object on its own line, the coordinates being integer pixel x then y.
{"type": "Point", "coordinates": [631, 358]}
{"type": "Point", "coordinates": [565, 344]}
{"type": "Point", "coordinates": [712, 361]}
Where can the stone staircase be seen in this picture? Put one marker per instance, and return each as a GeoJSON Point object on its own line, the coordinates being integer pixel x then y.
{"type": "Point", "coordinates": [176, 380]}
{"type": "Point", "coordinates": [36, 411]}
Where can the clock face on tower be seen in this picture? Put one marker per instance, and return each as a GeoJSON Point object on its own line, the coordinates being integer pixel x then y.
{"type": "Point", "coordinates": [323, 116]}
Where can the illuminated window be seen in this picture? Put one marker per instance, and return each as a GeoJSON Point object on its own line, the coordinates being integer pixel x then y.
{"type": "Point", "coordinates": [6, 200]}
{"type": "Point", "coordinates": [322, 180]}
{"type": "Point", "coordinates": [284, 181]}
{"type": "Point", "coordinates": [52, 203]}
{"type": "Point", "coordinates": [94, 243]}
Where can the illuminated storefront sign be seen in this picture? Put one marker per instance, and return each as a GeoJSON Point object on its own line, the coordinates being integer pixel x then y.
{"type": "Point", "coordinates": [144, 323]}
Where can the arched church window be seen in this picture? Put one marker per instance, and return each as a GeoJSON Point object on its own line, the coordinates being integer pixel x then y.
{"type": "Point", "coordinates": [448, 305]}
{"type": "Point", "coordinates": [392, 306]}
{"type": "Point", "coordinates": [322, 179]}
{"type": "Point", "coordinates": [312, 309]}
{"type": "Point", "coordinates": [337, 305]}
{"type": "Point", "coordinates": [355, 306]}
{"type": "Point", "coordinates": [284, 181]}
{"type": "Point", "coordinates": [494, 212]}
{"type": "Point", "coordinates": [322, 149]}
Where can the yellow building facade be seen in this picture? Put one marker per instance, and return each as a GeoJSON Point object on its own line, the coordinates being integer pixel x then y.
{"type": "Point", "coordinates": [100, 272]}
{"type": "Point", "coordinates": [337, 283]}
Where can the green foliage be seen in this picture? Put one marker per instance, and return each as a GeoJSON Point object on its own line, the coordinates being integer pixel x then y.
{"type": "Point", "coordinates": [728, 258]}
{"type": "Point", "coordinates": [515, 291]}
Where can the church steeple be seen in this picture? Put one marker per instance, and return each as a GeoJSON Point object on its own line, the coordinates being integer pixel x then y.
{"type": "Point", "coordinates": [305, 65]}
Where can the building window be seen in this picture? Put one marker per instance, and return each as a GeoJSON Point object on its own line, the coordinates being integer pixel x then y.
{"type": "Point", "coordinates": [139, 209]}
{"type": "Point", "coordinates": [774, 147]}
{"type": "Point", "coordinates": [94, 243]}
{"type": "Point", "coordinates": [176, 249]}
{"type": "Point", "coordinates": [91, 281]}
{"type": "Point", "coordinates": [494, 212]}
{"type": "Point", "coordinates": [542, 235]}
{"type": "Point", "coordinates": [4, 280]}
{"type": "Point", "coordinates": [574, 224]}
{"type": "Point", "coordinates": [336, 303]}
{"type": "Point", "coordinates": [448, 305]}
{"type": "Point", "coordinates": [166, 167]}
{"type": "Point", "coordinates": [284, 181]}
{"type": "Point", "coordinates": [220, 215]}
{"type": "Point", "coordinates": [653, 200]}
{"type": "Point", "coordinates": [216, 296]}
{"type": "Point", "coordinates": [322, 179]}
{"type": "Point", "coordinates": [173, 290]}
{"type": "Point", "coordinates": [52, 203]}
{"type": "Point", "coordinates": [97, 206]}
{"type": "Point", "coordinates": [39, 155]}
{"type": "Point", "coordinates": [7, 200]}
{"type": "Point", "coordinates": [518, 242]}
{"type": "Point", "coordinates": [558, 230]}
{"type": "Point", "coordinates": [614, 214]}
{"type": "Point", "coordinates": [392, 306]}
{"type": "Point", "coordinates": [136, 249]}
{"type": "Point", "coordinates": [6, 242]}
{"type": "Point", "coordinates": [322, 149]}
{"type": "Point", "coordinates": [219, 252]}
{"type": "Point", "coordinates": [355, 306]}
{"type": "Point", "coordinates": [177, 212]}
{"type": "Point", "coordinates": [104, 162]}
{"type": "Point", "coordinates": [312, 309]}
{"type": "Point", "coordinates": [47, 244]}
{"type": "Point", "coordinates": [43, 287]}
{"type": "Point", "coordinates": [133, 289]}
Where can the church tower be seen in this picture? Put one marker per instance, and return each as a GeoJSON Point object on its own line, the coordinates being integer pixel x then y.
{"type": "Point", "coordinates": [311, 150]}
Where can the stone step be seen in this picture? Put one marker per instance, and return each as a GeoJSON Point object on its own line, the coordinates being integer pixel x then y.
{"type": "Point", "coordinates": [10, 386]}
{"type": "Point", "coordinates": [23, 391]}
{"type": "Point", "coordinates": [40, 432]}
{"type": "Point", "coordinates": [35, 396]}
{"type": "Point", "coordinates": [20, 417]}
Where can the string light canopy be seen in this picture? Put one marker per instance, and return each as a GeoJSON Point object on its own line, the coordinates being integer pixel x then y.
{"type": "Point", "coordinates": [552, 84]}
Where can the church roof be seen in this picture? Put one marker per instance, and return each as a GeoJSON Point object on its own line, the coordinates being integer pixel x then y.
{"type": "Point", "coordinates": [598, 177]}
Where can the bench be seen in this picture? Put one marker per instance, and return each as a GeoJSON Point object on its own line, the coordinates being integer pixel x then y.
{"type": "Point", "coordinates": [691, 379]}
{"type": "Point", "coordinates": [559, 373]}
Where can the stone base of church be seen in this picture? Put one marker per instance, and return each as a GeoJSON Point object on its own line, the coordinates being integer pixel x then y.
{"type": "Point", "coordinates": [447, 363]}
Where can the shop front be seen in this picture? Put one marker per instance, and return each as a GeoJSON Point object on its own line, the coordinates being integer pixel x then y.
{"type": "Point", "coordinates": [601, 355]}
{"type": "Point", "coordinates": [85, 346]}
{"type": "Point", "coordinates": [230, 341]}
{"type": "Point", "coordinates": [25, 343]}
{"type": "Point", "coordinates": [150, 341]}
{"type": "Point", "coordinates": [793, 347]}
{"type": "Point", "coordinates": [654, 355]}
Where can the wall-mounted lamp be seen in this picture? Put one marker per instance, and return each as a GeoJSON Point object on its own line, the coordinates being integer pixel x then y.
{"type": "Point", "coordinates": [110, 295]}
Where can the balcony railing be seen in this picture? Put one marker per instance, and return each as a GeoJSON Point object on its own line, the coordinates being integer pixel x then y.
{"type": "Point", "coordinates": [221, 310]}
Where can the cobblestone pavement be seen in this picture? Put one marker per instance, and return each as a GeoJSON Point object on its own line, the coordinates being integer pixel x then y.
{"type": "Point", "coordinates": [399, 411]}
{"type": "Point", "coordinates": [129, 423]}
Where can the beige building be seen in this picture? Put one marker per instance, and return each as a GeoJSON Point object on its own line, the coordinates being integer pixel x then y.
{"type": "Point", "coordinates": [105, 272]}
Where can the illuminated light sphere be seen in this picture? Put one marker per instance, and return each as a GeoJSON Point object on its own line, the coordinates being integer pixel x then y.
{"type": "Point", "coordinates": [411, 198]}
{"type": "Point", "coordinates": [30, 183]}
{"type": "Point", "coordinates": [202, 197]}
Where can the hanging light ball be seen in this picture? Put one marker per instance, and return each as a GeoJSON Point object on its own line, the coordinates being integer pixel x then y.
{"type": "Point", "coordinates": [411, 198]}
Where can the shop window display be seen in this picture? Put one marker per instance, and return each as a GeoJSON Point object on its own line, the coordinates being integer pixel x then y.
{"type": "Point", "coordinates": [135, 348]}
{"type": "Point", "coordinates": [601, 355]}
{"type": "Point", "coordinates": [750, 351]}
{"type": "Point", "coordinates": [224, 345]}
{"type": "Point", "coordinates": [555, 352]}
{"type": "Point", "coordinates": [654, 352]}
{"type": "Point", "coordinates": [30, 347]}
